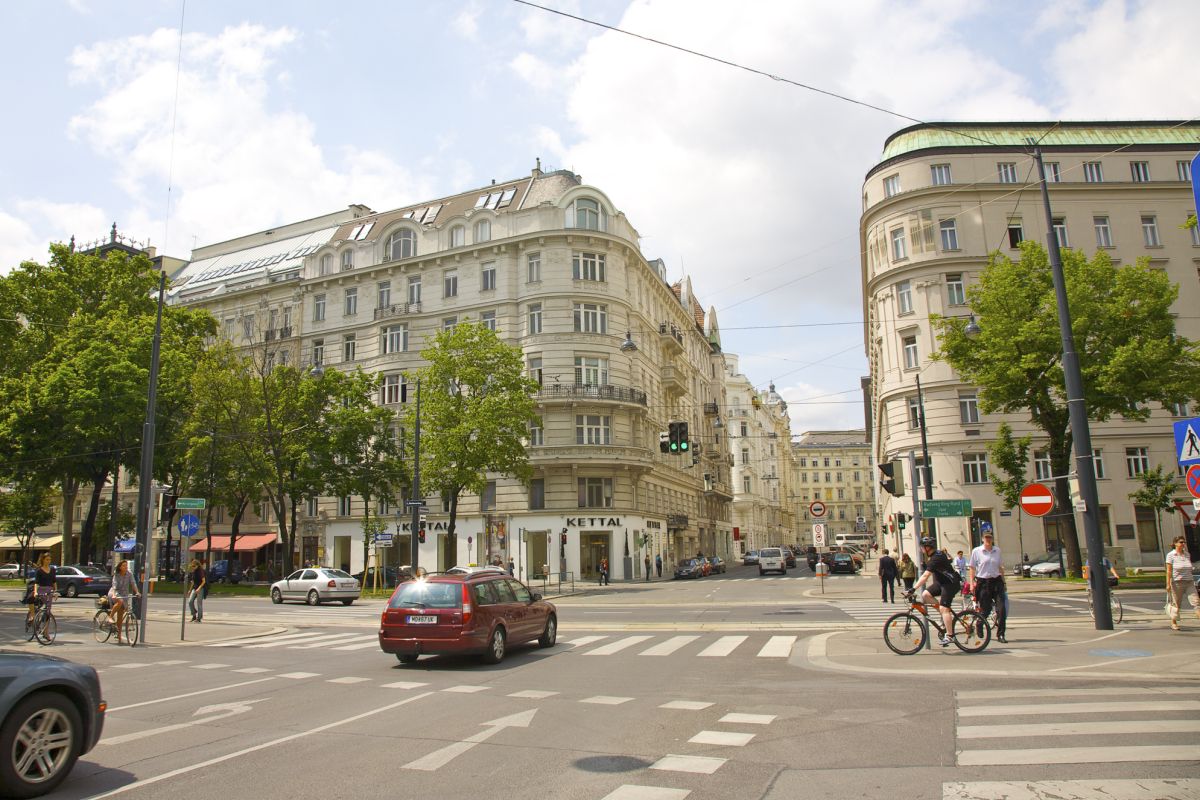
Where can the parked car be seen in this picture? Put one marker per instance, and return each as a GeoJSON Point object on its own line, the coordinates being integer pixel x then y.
{"type": "Point", "coordinates": [47, 704]}
{"type": "Point", "coordinates": [689, 568]}
{"type": "Point", "coordinates": [1045, 569]}
{"type": "Point", "coordinates": [389, 577]}
{"type": "Point", "coordinates": [850, 550]}
{"type": "Point", "coordinates": [771, 559]}
{"type": "Point", "coordinates": [482, 612]}
{"type": "Point", "coordinates": [716, 565]}
{"type": "Point", "coordinates": [226, 571]}
{"type": "Point", "coordinates": [316, 585]}
{"type": "Point", "coordinates": [843, 562]}
{"type": "Point", "coordinates": [788, 556]}
{"type": "Point", "coordinates": [1025, 568]}
{"type": "Point", "coordinates": [751, 557]}
{"type": "Point", "coordinates": [79, 579]}
{"type": "Point", "coordinates": [10, 571]}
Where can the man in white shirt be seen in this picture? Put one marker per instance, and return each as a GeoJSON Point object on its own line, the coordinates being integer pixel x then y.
{"type": "Point", "coordinates": [986, 572]}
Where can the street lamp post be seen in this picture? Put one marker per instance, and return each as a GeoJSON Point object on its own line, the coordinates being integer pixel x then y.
{"type": "Point", "coordinates": [926, 467]}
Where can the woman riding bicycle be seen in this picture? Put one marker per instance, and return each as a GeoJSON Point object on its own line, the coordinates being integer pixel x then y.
{"type": "Point", "coordinates": [45, 579]}
{"type": "Point", "coordinates": [943, 581]}
{"type": "Point", "coordinates": [123, 588]}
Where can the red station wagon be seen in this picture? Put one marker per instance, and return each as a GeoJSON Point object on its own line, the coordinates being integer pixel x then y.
{"type": "Point", "coordinates": [481, 612]}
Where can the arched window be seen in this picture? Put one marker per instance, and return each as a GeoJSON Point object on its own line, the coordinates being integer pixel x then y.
{"type": "Point", "coordinates": [588, 214]}
{"type": "Point", "coordinates": [327, 263]}
{"type": "Point", "coordinates": [458, 236]}
{"type": "Point", "coordinates": [347, 259]}
{"type": "Point", "coordinates": [483, 230]}
{"type": "Point", "coordinates": [402, 244]}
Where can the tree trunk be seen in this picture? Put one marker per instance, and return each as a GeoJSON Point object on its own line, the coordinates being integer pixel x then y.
{"type": "Point", "coordinates": [1060, 464]}
{"type": "Point", "coordinates": [1158, 528]}
{"type": "Point", "coordinates": [366, 529]}
{"type": "Point", "coordinates": [208, 537]}
{"type": "Point", "coordinates": [70, 488]}
{"type": "Point", "coordinates": [89, 523]}
{"type": "Point", "coordinates": [451, 536]}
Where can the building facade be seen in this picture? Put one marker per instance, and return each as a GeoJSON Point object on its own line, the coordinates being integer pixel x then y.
{"type": "Point", "coordinates": [835, 468]}
{"type": "Point", "coordinates": [941, 199]}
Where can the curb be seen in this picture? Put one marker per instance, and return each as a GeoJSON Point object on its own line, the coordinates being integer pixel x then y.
{"type": "Point", "coordinates": [261, 635]}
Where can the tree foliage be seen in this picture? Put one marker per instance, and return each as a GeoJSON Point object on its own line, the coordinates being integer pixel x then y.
{"type": "Point", "coordinates": [1010, 456]}
{"type": "Point", "coordinates": [1157, 492]}
{"type": "Point", "coordinates": [25, 507]}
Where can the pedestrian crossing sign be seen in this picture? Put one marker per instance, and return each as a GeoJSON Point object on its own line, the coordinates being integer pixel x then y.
{"type": "Point", "coordinates": [1187, 441]}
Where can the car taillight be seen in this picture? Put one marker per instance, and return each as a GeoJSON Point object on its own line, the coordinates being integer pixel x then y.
{"type": "Point", "coordinates": [466, 604]}
{"type": "Point", "coordinates": [332, 584]}
{"type": "Point", "coordinates": [87, 580]}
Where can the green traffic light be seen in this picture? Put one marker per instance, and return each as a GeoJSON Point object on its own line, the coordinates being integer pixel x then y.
{"type": "Point", "coordinates": [683, 445]}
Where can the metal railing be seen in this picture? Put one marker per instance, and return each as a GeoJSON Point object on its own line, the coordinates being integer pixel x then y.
{"type": "Point", "coordinates": [558, 582]}
{"type": "Point", "coordinates": [397, 310]}
{"type": "Point", "coordinates": [589, 391]}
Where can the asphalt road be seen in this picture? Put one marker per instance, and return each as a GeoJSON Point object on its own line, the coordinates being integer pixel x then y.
{"type": "Point", "coordinates": [696, 689]}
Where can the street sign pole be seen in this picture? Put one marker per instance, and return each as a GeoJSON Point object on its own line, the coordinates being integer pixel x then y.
{"type": "Point", "coordinates": [413, 549]}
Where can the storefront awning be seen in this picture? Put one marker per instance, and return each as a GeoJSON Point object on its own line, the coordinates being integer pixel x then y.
{"type": "Point", "coordinates": [246, 542]}
{"type": "Point", "coordinates": [38, 542]}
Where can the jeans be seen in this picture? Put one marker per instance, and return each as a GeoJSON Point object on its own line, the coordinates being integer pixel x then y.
{"type": "Point", "coordinates": [196, 603]}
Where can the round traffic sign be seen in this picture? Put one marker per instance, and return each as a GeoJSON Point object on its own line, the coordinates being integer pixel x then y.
{"type": "Point", "coordinates": [1036, 500]}
{"type": "Point", "coordinates": [1193, 480]}
{"type": "Point", "coordinates": [816, 508]}
{"type": "Point", "coordinates": [189, 525]}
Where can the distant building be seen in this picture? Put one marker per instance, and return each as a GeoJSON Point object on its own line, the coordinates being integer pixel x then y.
{"type": "Point", "coordinates": [835, 468]}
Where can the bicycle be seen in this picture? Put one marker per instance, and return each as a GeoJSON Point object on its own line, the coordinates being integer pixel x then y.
{"type": "Point", "coordinates": [1114, 604]}
{"type": "Point", "coordinates": [103, 626]}
{"type": "Point", "coordinates": [906, 632]}
{"type": "Point", "coordinates": [970, 602]}
{"type": "Point", "coordinates": [43, 626]}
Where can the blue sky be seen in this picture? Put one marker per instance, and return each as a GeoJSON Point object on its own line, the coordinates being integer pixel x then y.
{"type": "Point", "coordinates": [288, 110]}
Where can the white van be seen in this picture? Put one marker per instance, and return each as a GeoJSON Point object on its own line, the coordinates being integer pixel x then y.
{"type": "Point", "coordinates": [771, 559]}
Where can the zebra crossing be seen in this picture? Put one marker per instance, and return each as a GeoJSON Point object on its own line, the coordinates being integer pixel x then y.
{"type": "Point", "coordinates": [869, 611]}
{"type": "Point", "coordinates": [327, 640]}
{"type": "Point", "coordinates": [1077, 726]}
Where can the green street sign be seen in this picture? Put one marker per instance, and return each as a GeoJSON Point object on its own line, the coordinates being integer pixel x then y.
{"type": "Point", "coordinates": [195, 503]}
{"type": "Point", "coordinates": [945, 508]}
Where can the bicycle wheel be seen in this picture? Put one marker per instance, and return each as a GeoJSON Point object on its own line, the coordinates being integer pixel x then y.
{"type": "Point", "coordinates": [101, 627]}
{"type": "Point", "coordinates": [130, 628]}
{"type": "Point", "coordinates": [46, 627]}
{"type": "Point", "coordinates": [904, 633]}
{"type": "Point", "coordinates": [971, 631]}
{"type": "Point", "coordinates": [31, 626]}
{"type": "Point", "coordinates": [1118, 613]}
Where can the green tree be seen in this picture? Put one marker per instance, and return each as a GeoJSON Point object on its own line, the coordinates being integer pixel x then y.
{"type": "Point", "coordinates": [1129, 353]}
{"type": "Point", "coordinates": [24, 508]}
{"type": "Point", "coordinates": [476, 406]}
{"type": "Point", "coordinates": [1157, 492]}
{"type": "Point", "coordinates": [1009, 456]}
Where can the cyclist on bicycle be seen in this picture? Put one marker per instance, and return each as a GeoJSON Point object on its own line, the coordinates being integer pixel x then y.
{"type": "Point", "coordinates": [123, 587]}
{"type": "Point", "coordinates": [943, 582]}
{"type": "Point", "coordinates": [45, 579]}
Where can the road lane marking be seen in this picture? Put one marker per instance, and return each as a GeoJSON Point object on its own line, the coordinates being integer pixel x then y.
{"type": "Point", "coordinates": [215, 712]}
{"type": "Point", "coordinates": [210, 666]}
{"type": "Point", "coordinates": [686, 705]}
{"type": "Point", "coordinates": [252, 670]}
{"type": "Point", "coordinates": [605, 700]}
{"type": "Point", "coordinates": [748, 719]}
{"type": "Point", "coordinates": [1078, 755]}
{"type": "Point", "coordinates": [1108, 789]}
{"type": "Point", "coordinates": [703, 765]}
{"type": "Point", "coordinates": [1025, 694]}
{"type": "Point", "coordinates": [465, 689]}
{"type": "Point", "coordinates": [1120, 726]}
{"type": "Point", "coordinates": [631, 791]}
{"type": "Point", "coordinates": [129, 666]}
{"type": "Point", "coordinates": [533, 694]}
{"type": "Point", "coordinates": [404, 685]}
{"type": "Point", "coordinates": [777, 647]}
{"type": "Point", "coordinates": [617, 646]}
{"type": "Point", "coordinates": [172, 663]}
{"type": "Point", "coordinates": [188, 694]}
{"type": "Point", "coordinates": [723, 646]}
{"type": "Point", "coordinates": [372, 641]}
{"type": "Point", "coordinates": [296, 676]}
{"type": "Point", "coordinates": [669, 646]}
{"type": "Point", "coordinates": [580, 642]}
{"type": "Point", "coordinates": [728, 738]}
{"type": "Point", "coordinates": [255, 748]}
{"type": "Point", "coordinates": [439, 758]}
{"type": "Point", "coordinates": [1079, 708]}
{"type": "Point", "coordinates": [347, 679]}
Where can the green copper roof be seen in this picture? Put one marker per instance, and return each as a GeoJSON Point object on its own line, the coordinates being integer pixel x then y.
{"type": "Point", "coordinates": [1067, 134]}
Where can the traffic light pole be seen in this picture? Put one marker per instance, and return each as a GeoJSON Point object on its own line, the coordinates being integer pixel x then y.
{"type": "Point", "coordinates": [926, 467]}
{"type": "Point", "coordinates": [415, 500]}
{"type": "Point", "coordinates": [146, 473]}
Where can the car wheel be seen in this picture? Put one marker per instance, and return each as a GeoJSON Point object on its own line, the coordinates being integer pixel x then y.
{"type": "Point", "coordinates": [550, 635]}
{"type": "Point", "coordinates": [314, 599]}
{"type": "Point", "coordinates": [276, 596]}
{"type": "Point", "coordinates": [495, 651]}
{"type": "Point", "coordinates": [40, 742]}
{"type": "Point", "coordinates": [348, 602]}
{"type": "Point", "coordinates": [72, 590]}
{"type": "Point", "coordinates": [406, 658]}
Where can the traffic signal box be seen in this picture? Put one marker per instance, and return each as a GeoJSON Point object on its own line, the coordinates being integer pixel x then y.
{"type": "Point", "coordinates": [421, 529]}
{"type": "Point", "coordinates": [677, 438]}
{"type": "Point", "coordinates": [893, 478]}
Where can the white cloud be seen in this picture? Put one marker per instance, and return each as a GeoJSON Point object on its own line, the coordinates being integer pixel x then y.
{"type": "Point", "coordinates": [21, 229]}
{"type": "Point", "coordinates": [466, 22]}
{"type": "Point", "coordinates": [534, 71]}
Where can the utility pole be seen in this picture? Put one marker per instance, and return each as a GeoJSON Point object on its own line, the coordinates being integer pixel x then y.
{"type": "Point", "coordinates": [1080, 432]}
{"type": "Point", "coordinates": [415, 500]}
{"type": "Point", "coordinates": [146, 475]}
{"type": "Point", "coordinates": [927, 468]}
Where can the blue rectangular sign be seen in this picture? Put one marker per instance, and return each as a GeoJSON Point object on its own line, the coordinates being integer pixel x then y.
{"type": "Point", "coordinates": [1187, 441]}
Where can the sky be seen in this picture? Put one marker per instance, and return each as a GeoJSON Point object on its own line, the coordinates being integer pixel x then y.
{"type": "Point", "coordinates": [268, 113]}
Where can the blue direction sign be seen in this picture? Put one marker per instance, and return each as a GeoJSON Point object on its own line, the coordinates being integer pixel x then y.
{"type": "Point", "coordinates": [189, 525]}
{"type": "Point", "coordinates": [383, 540]}
{"type": "Point", "coordinates": [1196, 181]}
{"type": "Point", "coordinates": [1187, 441]}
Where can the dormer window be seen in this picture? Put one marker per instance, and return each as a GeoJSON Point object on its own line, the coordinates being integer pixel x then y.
{"type": "Point", "coordinates": [326, 263]}
{"type": "Point", "coordinates": [401, 244]}
{"type": "Point", "coordinates": [458, 236]}
{"type": "Point", "coordinates": [347, 259]}
{"type": "Point", "coordinates": [587, 213]}
{"type": "Point", "coordinates": [483, 230]}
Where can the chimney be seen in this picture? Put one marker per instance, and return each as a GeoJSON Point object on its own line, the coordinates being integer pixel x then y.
{"type": "Point", "coordinates": [537, 171]}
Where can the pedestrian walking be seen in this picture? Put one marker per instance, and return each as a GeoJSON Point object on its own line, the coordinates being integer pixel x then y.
{"type": "Point", "coordinates": [647, 562]}
{"type": "Point", "coordinates": [1180, 581]}
{"type": "Point", "coordinates": [511, 568]}
{"type": "Point", "coordinates": [658, 564]}
{"type": "Point", "coordinates": [887, 576]}
{"type": "Point", "coordinates": [604, 572]}
{"type": "Point", "coordinates": [198, 580]}
{"type": "Point", "coordinates": [960, 565]}
{"type": "Point", "coordinates": [908, 572]}
{"type": "Point", "coordinates": [985, 569]}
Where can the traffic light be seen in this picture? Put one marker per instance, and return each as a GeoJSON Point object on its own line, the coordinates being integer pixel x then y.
{"type": "Point", "coordinates": [421, 529]}
{"type": "Point", "coordinates": [664, 442]}
{"type": "Point", "coordinates": [168, 507]}
{"type": "Point", "coordinates": [893, 478]}
{"type": "Point", "coordinates": [674, 436]}
{"type": "Point", "coordinates": [903, 519]}
{"type": "Point", "coordinates": [684, 444]}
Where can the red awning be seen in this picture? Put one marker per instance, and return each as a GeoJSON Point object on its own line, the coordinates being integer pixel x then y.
{"type": "Point", "coordinates": [246, 542]}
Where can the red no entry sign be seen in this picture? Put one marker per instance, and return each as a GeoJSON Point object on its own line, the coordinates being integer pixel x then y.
{"type": "Point", "coordinates": [1036, 500]}
{"type": "Point", "coordinates": [1193, 480]}
{"type": "Point", "coordinates": [817, 509]}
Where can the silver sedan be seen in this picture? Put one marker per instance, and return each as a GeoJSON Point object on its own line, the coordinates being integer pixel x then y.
{"type": "Point", "coordinates": [315, 585]}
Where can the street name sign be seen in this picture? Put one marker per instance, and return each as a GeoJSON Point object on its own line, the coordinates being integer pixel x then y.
{"type": "Point", "coordinates": [1036, 500]}
{"type": "Point", "coordinates": [945, 508]}
{"type": "Point", "coordinates": [189, 503]}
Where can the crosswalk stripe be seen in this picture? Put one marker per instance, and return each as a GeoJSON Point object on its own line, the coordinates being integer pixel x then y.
{"type": "Point", "coordinates": [372, 641]}
{"type": "Point", "coordinates": [669, 646]}
{"type": "Point", "coordinates": [1116, 726]}
{"type": "Point", "coordinates": [1106, 789]}
{"type": "Point", "coordinates": [1076, 755]}
{"type": "Point", "coordinates": [630, 791]}
{"type": "Point", "coordinates": [1025, 694]}
{"type": "Point", "coordinates": [583, 640]}
{"type": "Point", "coordinates": [703, 765]}
{"type": "Point", "coordinates": [1078, 708]}
{"type": "Point", "coordinates": [617, 646]}
{"type": "Point", "coordinates": [723, 646]}
{"type": "Point", "coordinates": [777, 647]}
{"type": "Point", "coordinates": [284, 642]}
{"type": "Point", "coordinates": [333, 638]}
{"type": "Point", "coordinates": [260, 639]}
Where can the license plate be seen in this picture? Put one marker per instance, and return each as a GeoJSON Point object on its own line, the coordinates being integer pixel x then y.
{"type": "Point", "coordinates": [347, 584]}
{"type": "Point", "coordinates": [422, 619]}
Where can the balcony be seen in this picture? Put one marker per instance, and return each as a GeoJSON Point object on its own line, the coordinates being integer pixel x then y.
{"type": "Point", "coordinates": [711, 408]}
{"type": "Point", "coordinates": [397, 310]}
{"type": "Point", "coordinates": [607, 392]}
{"type": "Point", "coordinates": [671, 337]}
{"type": "Point", "coordinates": [568, 455]}
{"type": "Point", "coordinates": [673, 381]}
{"type": "Point", "coordinates": [285, 332]}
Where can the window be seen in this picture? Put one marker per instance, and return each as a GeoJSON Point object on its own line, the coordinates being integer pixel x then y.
{"type": "Point", "coordinates": [1016, 234]}
{"type": "Point", "coordinates": [311, 507]}
{"type": "Point", "coordinates": [319, 308]}
{"type": "Point", "coordinates": [1137, 461]}
{"type": "Point", "coordinates": [483, 230]}
{"type": "Point", "coordinates": [588, 214]}
{"type": "Point", "coordinates": [394, 339]}
{"type": "Point", "coordinates": [248, 327]}
{"type": "Point", "coordinates": [487, 499]}
{"type": "Point", "coordinates": [891, 186]}
{"type": "Point", "coordinates": [1103, 232]}
{"type": "Point", "coordinates": [351, 304]}
{"type": "Point", "coordinates": [487, 277]}
{"type": "Point", "coordinates": [587, 267]}
{"type": "Point", "coordinates": [595, 492]}
{"type": "Point", "coordinates": [1139, 171]}
{"type": "Point", "coordinates": [449, 322]}
{"type": "Point", "coordinates": [347, 259]}
{"type": "Point", "coordinates": [975, 469]}
{"type": "Point", "coordinates": [1060, 232]}
{"type": "Point", "coordinates": [913, 405]}
{"type": "Point", "coordinates": [349, 347]}
{"type": "Point", "coordinates": [745, 456]}
{"type": "Point", "coordinates": [488, 320]}
{"type": "Point", "coordinates": [1194, 231]}
{"type": "Point", "coordinates": [414, 289]}
{"type": "Point", "coordinates": [537, 432]}
{"type": "Point", "coordinates": [385, 294]}
{"type": "Point", "coordinates": [1053, 173]}
{"type": "Point", "coordinates": [1041, 466]}
{"type": "Point", "coordinates": [746, 484]}
{"type": "Point", "coordinates": [949, 234]}
{"type": "Point", "coordinates": [533, 267]}
{"type": "Point", "coordinates": [343, 509]}
{"type": "Point", "coordinates": [537, 493]}
{"type": "Point", "coordinates": [911, 359]}
{"type": "Point", "coordinates": [956, 292]}
{"type": "Point", "coordinates": [968, 408]}
{"type": "Point", "coordinates": [923, 473]}
{"type": "Point", "coordinates": [450, 283]}
{"type": "Point", "coordinates": [534, 318]}
{"type": "Point", "coordinates": [318, 352]}
{"type": "Point", "coordinates": [899, 249]}
{"type": "Point", "coordinates": [940, 174]}
{"type": "Point", "coordinates": [391, 391]}
{"type": "Point", "coordinates": [1007, 172]}
{"type": "Point", "coordinates": [593, 429]}
{"type": "Point", "coordinates": [904, 297]}
{"type": "Point", "coordinates": [1098, 464]}
{"type": "Point", "coordinates": [1150, 231]}
{"type": "Point", "coordinates": [535, 369]}
{"type": "Point", "coordinates": [458, 236]}
{"type": "Point", "coordinates": [1093, 172]}
{"type": "Point", "coordinates": [744, 432]}
{"type": "Point", "coordinates": [591, 318]}
{"type": "Point", "coordinates": [326, 263]}
{"type": "Point", "coordinates": [1183, 170]}
{"type": "Point", "coordinates": [591, 370]}
{"type": "Point", "coordinates": [401, 244]}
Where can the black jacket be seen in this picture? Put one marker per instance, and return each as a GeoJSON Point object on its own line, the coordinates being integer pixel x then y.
{"type": "Point", "coordinates": [887, 567]}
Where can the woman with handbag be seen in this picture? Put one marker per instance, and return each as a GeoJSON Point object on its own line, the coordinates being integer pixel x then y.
{"type": "Point", "coordinates": [1181, 581]}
